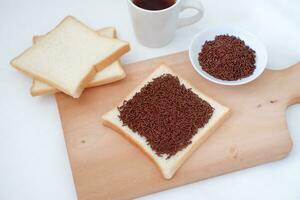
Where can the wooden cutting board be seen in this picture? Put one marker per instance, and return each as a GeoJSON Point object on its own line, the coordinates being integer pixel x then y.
{"type": "Point", "coordinates": [106, 166]}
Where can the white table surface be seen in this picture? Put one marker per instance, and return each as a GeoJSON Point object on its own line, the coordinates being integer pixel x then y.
{"type": "Point", "coordinates": [33, 158]}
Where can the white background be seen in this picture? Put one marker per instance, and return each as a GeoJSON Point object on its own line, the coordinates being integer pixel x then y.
{"type": "Point", "coordinates": [33, 159]}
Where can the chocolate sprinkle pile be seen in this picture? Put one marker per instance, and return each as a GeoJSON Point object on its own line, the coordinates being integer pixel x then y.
{"type": "Point", "coordinates": [166, 113]}
{"type": "Point", "coordinates": [227, 58]}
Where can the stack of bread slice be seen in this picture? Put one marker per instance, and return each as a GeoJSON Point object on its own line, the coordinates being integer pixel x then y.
{"type": "Point", "coordinates": [72, 57]}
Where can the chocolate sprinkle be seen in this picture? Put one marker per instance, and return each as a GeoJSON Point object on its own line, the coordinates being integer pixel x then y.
{"type": "Point", "coordinates": [227, 58]}
{"type": "Point", "coordinates": [166, 113]}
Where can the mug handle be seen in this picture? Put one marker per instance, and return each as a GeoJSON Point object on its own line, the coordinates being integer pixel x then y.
{"type": "Point", "coordinates": [194, 4]}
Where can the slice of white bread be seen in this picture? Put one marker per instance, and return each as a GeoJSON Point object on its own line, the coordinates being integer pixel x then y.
{"type": "Point", "coordinates": [168, 166]}
{"type": "Point", "coordinates": [68, 56]}
{"type": "Point", "coordinates": [109, 74]}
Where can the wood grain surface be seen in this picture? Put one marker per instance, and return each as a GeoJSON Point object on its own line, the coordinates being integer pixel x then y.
{"type": "Point", "coordinates": [106, 166]}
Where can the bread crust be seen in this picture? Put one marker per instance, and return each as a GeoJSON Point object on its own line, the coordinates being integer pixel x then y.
{"type": "Point", "coordinates": [108, 80]}
{"type": "Point", "coordinates": [110, 59]}
{"type": "Point", "coordinates": [109, 27]}
{"type": "Point", "coordinates": [45, 91]}
{"type": "Point", "coordinates": [129, 139]}
{"type": "Point", "coordinates": [175, 168]}
{"type": "Point", "coordinates": [52, 90]}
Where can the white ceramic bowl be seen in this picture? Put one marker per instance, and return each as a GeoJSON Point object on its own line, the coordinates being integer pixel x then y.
{"type": "Point", "coordinates": [250, 40]}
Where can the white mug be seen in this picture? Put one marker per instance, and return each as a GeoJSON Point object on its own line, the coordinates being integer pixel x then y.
{"type": "Point", "coordinates": [156, 28]}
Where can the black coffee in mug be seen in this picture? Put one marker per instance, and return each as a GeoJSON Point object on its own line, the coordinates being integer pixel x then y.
{"type": "Point", "coordinates": [154, 4]}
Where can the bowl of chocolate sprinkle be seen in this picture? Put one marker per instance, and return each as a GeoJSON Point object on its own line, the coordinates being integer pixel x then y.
{"type": "Point", "coordinates": [227, 55]}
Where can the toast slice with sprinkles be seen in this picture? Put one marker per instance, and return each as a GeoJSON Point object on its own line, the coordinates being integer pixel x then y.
{"type": "Point", "coordinates": [167, 118]}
